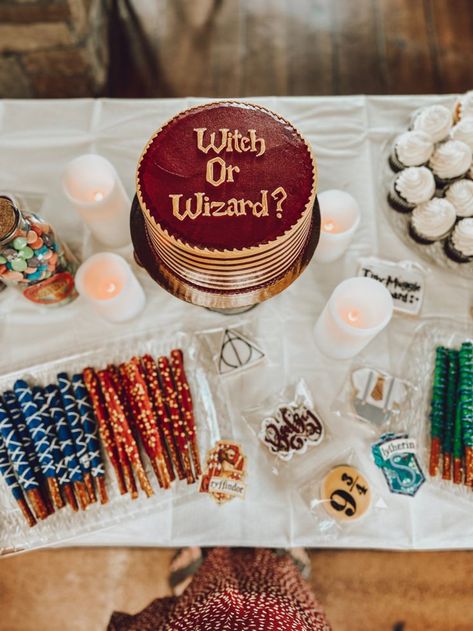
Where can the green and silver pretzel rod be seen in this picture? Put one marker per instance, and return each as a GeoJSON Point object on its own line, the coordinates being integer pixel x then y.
{"type": "Point", "coordinates": [465, 406]}
{"type": "Point", "coordinates": [437, 408]}
{"type": "Point", "coordinates": [450, 413]}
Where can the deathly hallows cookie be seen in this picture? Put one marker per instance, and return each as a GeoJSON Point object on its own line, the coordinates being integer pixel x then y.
{"type": "Point", "coordinates": [237, 352]}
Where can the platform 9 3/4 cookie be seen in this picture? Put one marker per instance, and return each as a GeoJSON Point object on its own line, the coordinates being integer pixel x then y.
{"type": "Point", "coordinates": [346, 494]}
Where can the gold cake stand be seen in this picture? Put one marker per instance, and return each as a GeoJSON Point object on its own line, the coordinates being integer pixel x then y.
{"type": "Point", "coordinates": [225, 302]}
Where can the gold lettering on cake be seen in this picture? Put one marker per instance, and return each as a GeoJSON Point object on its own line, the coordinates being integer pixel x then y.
{"type": "Point", "coordinates": [225, 173]}
{"type": "Point", "coordinates": [230, 141]}
{"type": "Point", "coordinates": [218, 172]}
{"type": "Point", "coordinates": [279, 195]}
{"type": "Point", "coordinates": [200, 204]}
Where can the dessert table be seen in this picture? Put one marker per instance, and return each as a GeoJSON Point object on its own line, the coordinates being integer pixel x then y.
{"type": "Point", "coordinates": [349, 136]}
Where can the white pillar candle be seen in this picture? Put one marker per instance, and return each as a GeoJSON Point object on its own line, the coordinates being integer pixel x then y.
{"type": "Point", "coordinates": [108, 284]}
{"type": "Point", "coordinates": [339, 218]}
{"type": "Point", "coordinates": [93, 187]}
{"type": "Point", "coordinates": [358, 309]}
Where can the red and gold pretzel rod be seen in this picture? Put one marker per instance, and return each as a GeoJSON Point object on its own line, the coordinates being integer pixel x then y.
{"type": "Point", "coordinates": [187, 409]}
{"type": "Point", "coordinates": [106, 432]}
{"type": "Point", "coordinates": [122, 429]}
{"type": "Point", "coordinates": [162, 436]}
{"type": "Point", "coordinates": [123, 459]}
{"type": "Point", "coordinates": [163, 421]}
{"type": "Point", "coordinates": [127, 469]}
{"type": "Point", "coordinates": [120, 388]}
{"type": "Point", "coordinates": [178, 426]}
{"type": "Point", "coordinates": [144, 420]}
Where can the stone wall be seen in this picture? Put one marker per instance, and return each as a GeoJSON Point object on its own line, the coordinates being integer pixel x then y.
{"type": "Point", "coordinates": [53, 48]}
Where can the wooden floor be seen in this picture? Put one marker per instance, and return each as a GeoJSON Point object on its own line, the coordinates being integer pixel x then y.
{"type": "Point", "coordinates": [77, 589]}
{"type": "Point", "coordinates": [291, 47]}
{"type": "Point", "coordinates": [230, 48]}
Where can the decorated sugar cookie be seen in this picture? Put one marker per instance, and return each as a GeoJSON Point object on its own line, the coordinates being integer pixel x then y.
{"type": "Point", "coordinates": [377, 395]}
{"type": "Point", "coordinates": [237, 352]}
{"type": "Point", "coordinates": [291, 430]}
{"type": "Point", "coordinates": [346, 493]}
{"type": "Point", "coordinates": [395, 455]}
{"type": "Point", "coordinates": [224, 476]}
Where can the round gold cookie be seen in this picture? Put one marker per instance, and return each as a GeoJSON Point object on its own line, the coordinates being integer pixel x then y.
{"type": "Point", "coordinates": [346, 494]}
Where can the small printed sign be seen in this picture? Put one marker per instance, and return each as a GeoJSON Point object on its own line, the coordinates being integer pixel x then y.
{"type": "Point", "coordinates": [404, 282]}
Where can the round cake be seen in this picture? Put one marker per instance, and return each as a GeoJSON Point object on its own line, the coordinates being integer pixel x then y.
{"type": "Point", "coordinates": [227, 193]}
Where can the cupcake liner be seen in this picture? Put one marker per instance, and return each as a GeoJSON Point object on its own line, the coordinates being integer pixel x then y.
{"type": "Point", "coordinates": [398, 203]}
{"type": "Point", "coordinates": [395, 164]}
{"type": "Point", "coordinates": [442, 184]}
{"type": "Point", "coordinates": [454, 254]}
{"type": "Point", "coordinates": [420, 238]}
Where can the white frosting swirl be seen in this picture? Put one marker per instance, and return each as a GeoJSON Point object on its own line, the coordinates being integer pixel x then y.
{"type": "Point", "coordinates": [451, 159]}
{"type": "Point", "coordinates": [415, 184]}
{"type": "Point", "coordinates": [462, 237]}
{"type": "Point", "coordinates": [463, 131]}
{"type": "Point", "coordinates": [460, 193]}
{"type": "Point", "coordinates": [435, 121]}
{"type": "Point", "coordinates": [434, 219]}
{"type": "Point", "coordinates": [465, 105]}
{"type": "Point", "coordinates": [414, 148]}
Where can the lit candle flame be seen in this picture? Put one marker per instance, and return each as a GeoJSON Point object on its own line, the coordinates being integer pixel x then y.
{"type": "Point", "coordinates": [110, 288]}
{"type": "Point", "coordinates": [98, 196]}
{"type": "Point", "coordinates": [329, 225]}
{"type": "Point", "coordinates": [353, 316]}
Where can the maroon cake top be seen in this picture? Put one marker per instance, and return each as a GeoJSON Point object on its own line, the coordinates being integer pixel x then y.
{"type": "Point", "coordinates": [226, 175]}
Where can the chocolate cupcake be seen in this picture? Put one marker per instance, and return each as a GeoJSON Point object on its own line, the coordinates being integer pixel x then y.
{"type": "Point", "coordinates": [432, 221]}
{"type": "Point", "coordinates": [459, 245]}
{"type": "Point", "coordinates": [450, 161]}
{"type": "Point", "coordinates": [463, 131]}
{"type": "Point", "coordinates": [463, 106]}
{"type": "Point", "coordinates": [411, 149]}
{"type": "Point", "coordinates": [460, 194]}
{"type": "Point", "coordinates": [434, 120]}
{"type": "Point", "coordinates": [411, 187]}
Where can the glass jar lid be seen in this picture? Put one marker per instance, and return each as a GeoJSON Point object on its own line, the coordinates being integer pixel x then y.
{"type": "Point", "coordinates": [9, 218]}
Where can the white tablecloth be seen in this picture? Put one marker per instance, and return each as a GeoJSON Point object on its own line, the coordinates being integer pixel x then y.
{"type": "Point", "coordinates": [37, 138]}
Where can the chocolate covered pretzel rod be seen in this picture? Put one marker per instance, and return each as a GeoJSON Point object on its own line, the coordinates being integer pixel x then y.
{"type": "Point", "coordinates": [437, 408]}
{"type": "Point", "coordinates": [39, 437]}
{"type": "Point", "coordinates": [178, 425]}
{"type": "Point", "coordinates": [66, 443]}
{"type": "Point", "coordinates": [8, 473]}
{"type": "Point", "coordinates": [59, 459]}
{"type": "Point", "coordinates": [122, 430]}
{"type": "Point", "coordinates": [92, 384]}
{"type": "Point", "coordinates": [163, 421]}
{"type": "Point", "coordinates": [12, 405]}
{"type": "Point", "coordinates": [21, 466]}
{"type": "Point", "coordinates": [77, 431]}
{"type": "Point", "coordinates": [187, 409]}
{"type": "Point", "coordinates": [89, 424]}
{"type": "Point", "coordinates": [143, 417]}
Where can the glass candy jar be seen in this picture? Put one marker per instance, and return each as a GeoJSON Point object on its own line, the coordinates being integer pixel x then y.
{"type": "Point", "coordinates": [33, 258]}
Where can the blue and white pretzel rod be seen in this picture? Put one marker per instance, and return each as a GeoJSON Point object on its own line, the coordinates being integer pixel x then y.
{"type": "Point", "coordinates": [8, 473]}
{"type": "Point", "coordinates": [62, 472]}
{"type": "Point", "coordinates": [16, 451]}
{"type": "Point", "coordinates": [66, 443]}
{"type": "Point", "coordinates": [89, 424]}
{"type": "Point", "coordinates": [77, 431]}
{"type": "Point", "coordinates": [39, 436]}
{"type": "Point", "coordinates": [13, 408]}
